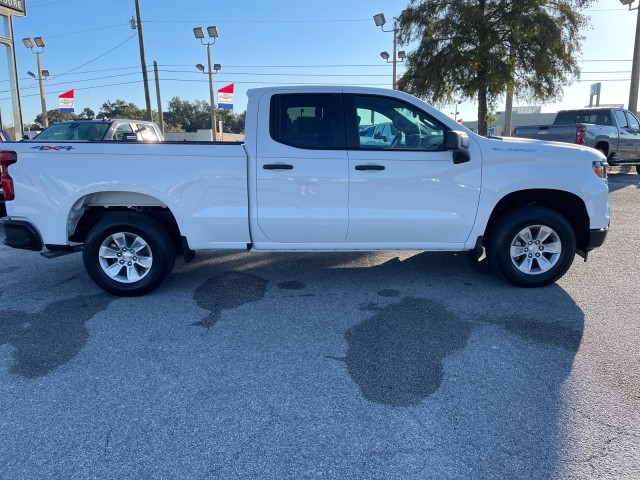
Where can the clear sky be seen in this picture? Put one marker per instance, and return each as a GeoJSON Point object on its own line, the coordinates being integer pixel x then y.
{"type": "Point", "coordinates": [90, 47]}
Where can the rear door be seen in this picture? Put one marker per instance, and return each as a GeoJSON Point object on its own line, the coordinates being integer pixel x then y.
{"type": "Point", "coordinates": [405, 188]}
{"type": "Point", "coordinates": [302, 170]}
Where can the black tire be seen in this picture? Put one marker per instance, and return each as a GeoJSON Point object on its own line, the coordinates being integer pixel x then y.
{"type": "Point", "coordinates": [532, 265]}
{"type": "Point", "coordinates": [154, 247]}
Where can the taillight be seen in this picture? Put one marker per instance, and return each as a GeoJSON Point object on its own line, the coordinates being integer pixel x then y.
{"type": "Point", "coordinates": [580, 135]}
{"type": "Point", "coordinates": [6, 159]}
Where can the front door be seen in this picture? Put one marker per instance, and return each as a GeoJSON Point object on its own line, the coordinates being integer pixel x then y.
{"type": "Point", "coordinates": [404, 187]}
{"type": "Point", "coordinates": [629, 142]}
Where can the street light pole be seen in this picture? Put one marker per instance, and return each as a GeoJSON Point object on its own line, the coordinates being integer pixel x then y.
{"type": "Point", "coordinates": [380, 22]}
{"type": "Point", "coordinates": [36, 45]}
{"type": "Point", "coordinates": [212, 32]}
{"type": "Point", "coordinates": [213, 108]}
{"type": "Point", "coordinates": [43, 102]}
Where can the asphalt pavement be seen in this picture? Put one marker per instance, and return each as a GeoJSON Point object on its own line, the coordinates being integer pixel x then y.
{"type": "Point", "coordinates": [325, 365]}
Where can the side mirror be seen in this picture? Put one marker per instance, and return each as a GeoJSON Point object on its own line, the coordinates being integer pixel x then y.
{"type": "Point", "coordinates": [26, 137]}
{"type": "Point", "coordinates": [458, 142]}
{"type": "Point", "coordinates": [129, 137]}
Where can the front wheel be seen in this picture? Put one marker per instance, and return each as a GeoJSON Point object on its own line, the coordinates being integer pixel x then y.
{"type": "Point", "coordinates": [532, 246]}
{"type": "Point", "coordinates": [128, 255]}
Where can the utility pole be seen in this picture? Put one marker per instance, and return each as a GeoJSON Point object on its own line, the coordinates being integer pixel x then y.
{"type": "Point", "coordinates": [160, 120]}
{"type": "Point", "coordinates": [43, 102]}
{"type": "Point", "coordinates": [635, 69]}
{"type": "Point", "coordinates": [143, 62]}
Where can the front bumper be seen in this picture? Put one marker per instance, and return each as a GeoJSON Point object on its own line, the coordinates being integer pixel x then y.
{"type": "Point", "coordinates": [21, 234]}
{"type": "Point", "coordinates": [596, 238]}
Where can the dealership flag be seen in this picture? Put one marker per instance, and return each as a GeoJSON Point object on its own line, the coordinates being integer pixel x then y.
{"type": "Point", "coordinates": [225, 97]}
{"type": "Point", "coordinates": [65, 102]}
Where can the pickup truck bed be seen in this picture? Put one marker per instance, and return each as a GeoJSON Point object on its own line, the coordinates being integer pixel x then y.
{"type": "Point", "coordinates": [613, 131]}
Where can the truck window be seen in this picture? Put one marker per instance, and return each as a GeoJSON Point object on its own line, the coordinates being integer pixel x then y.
{"type": "Point", "coordinates": [622, 120]}
{"type": "Point", "coordinates": [632, 121]}
{"type": "Point", "coordinates": [121, 130]}
{"type": "Point", "coordinates": [395, 124]}
{"type": "Point", "coordinates": [303, 121]}
{"type": "Point", "coordinates": [146, 133]}
{"type": "Point", "coordinates": [603, 118]}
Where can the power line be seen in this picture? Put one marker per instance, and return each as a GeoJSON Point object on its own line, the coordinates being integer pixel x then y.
{"type": "Point", "coordinates": [200, 20]}
{"type": "Point", "coordinates": [98, 57]}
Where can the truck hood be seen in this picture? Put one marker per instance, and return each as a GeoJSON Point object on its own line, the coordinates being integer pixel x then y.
{"type": "Point", "coordinates": [541, 148]}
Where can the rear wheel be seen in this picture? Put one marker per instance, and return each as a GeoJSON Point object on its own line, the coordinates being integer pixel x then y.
{"type": "Point", "coordinates": [532, 246]}
{"type": "Point", "coordinates": [128, 255]}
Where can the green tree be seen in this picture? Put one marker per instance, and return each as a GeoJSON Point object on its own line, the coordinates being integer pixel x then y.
{"type": "Point", "coordinates": [121, 109]}
{"type": "Point", "coordinates": [475, 48]}
{"type": "Point", "coordinates": [231, 122]}
{"type": "Point", "coordinates": [54, 116]}
{"type": "Point", "coordinates": [183, 115]}
{"type": "Point", "coordinates": [87, 113]}
{"type": "Point", "coordinates": [187, 116]}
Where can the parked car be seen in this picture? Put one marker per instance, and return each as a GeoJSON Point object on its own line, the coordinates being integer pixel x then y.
{"type": "Point", "coordinates": [118, 129]}
{"type": "Point", "coordinates": [613, 131]}
{"type": "Point", "coordinates": [305, 180]}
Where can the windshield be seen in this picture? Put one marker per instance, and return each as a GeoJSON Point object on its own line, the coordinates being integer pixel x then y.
{"type": "Point", "coordinates": [74, 131]}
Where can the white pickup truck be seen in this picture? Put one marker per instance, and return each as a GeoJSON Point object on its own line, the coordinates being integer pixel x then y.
{"type": "Point", "coordinates": [309, 176]}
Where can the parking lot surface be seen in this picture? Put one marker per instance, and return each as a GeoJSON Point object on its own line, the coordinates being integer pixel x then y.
{"type": "Point", "coordinates": [325, 365]}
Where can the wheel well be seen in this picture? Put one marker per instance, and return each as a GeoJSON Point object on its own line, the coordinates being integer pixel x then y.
{"type": "Point", "coordinates": [603, 147]}
{"type": "Point", "coordinates": [94, 214]}
{"type": "Point", "coordinates": [567, 204]}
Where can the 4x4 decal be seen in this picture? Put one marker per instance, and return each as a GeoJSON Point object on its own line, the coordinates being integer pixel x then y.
{"type": "Point", "coordinates": [53, 147]}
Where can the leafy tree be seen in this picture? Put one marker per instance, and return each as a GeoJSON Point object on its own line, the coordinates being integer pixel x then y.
{"type": "Point", "coordinates": [87, 113]}
{"type": "Point", "coordinates": [475, 48]}
{"type": "Point", "coordinates": [192, 116]}
{"type": "Point", "coordinates": [121, 109]}
{"type": "Point", "coordinates": [54, 116]}
{"type": "Point", "coordinates": [188, 116]}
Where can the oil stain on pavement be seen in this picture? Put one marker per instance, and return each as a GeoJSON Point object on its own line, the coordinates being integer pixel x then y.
{"type": "Point", "coordinates": [227, 291]}
{"type": "Point", "coordinates": [396, 357]}
{"type": "Point", "coordinates": [48, 339]}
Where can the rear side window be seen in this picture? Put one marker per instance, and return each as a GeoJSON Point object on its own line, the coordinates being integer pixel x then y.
{"type": "Point", "coordinates": [121, 130]}
{"type": "Point", "coordinates": [306, 121]}
{"type": "Point", "coordinates": [622, 120]}
{"type": "Point", "coordinates": [147, 133]}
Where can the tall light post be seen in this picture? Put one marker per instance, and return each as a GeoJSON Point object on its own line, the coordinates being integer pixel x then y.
{"type": "Point", "coordinates": [401, 55]}
{"type": "Point", "coordinates": [635, 69]}
{"type": "Point", "coordinates": [36, 45]}
{"type": "Point", "coordinates": [212, 33]}
{"type": "Point", "coordinates": [380, 21]}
